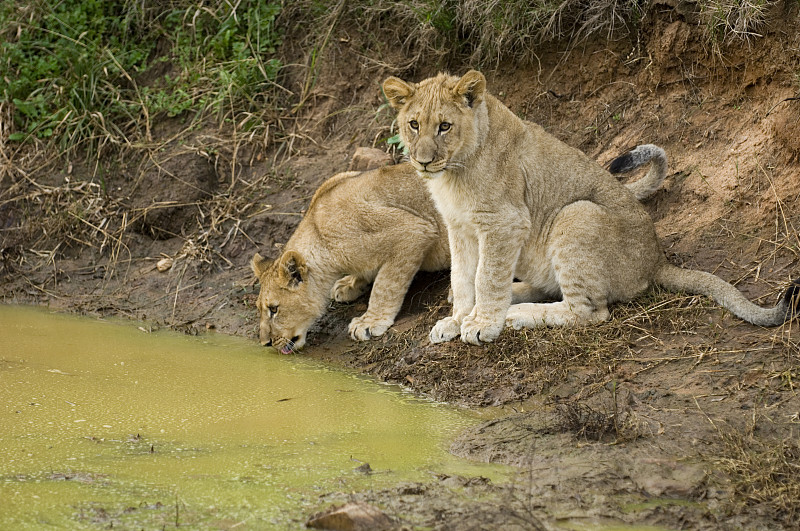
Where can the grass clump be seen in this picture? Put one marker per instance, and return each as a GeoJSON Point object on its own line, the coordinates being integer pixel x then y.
{"type": "Point", "coordinates": [617, 425]}
{"type": "Point", "coordinates": [488, 31]}
{"type": "Point", "coordinates": [502, 28]}
{"type": "Point", "coordinates": [729, 20]}
{"type": "Point", "coordinates": [763, 474]}
{"type": "Point", "coordinates": [87, 74]}
{"type": "Point", "coordinates": [483, 31]}
{"type": "Point", "coordinates": [63, 64]}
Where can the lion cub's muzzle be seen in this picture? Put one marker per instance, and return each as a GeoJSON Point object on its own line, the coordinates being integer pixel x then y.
{"type": "Point", "coordinates": [283, 345]}
{"type": "Point", "coordinates": [430, 169]}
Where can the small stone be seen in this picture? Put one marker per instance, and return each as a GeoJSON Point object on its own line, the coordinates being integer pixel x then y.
{"type": "Point", "coordinates": [354, 516]}
{"type": "Point", "coordinates": [366, 158]}
{"type": "Point", "coordinates": [164, 264]}
{"type": "Point", "coordinates": [364, 469]}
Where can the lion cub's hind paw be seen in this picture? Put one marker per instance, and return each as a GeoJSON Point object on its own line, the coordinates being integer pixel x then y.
{"type": "Point", "coordinates": [517, 318]}
{"type": "Point", "coordinates": [445, 330]}
{"type": "Point", "coordinates": [349, 288]}
{"type": "Point", "coordinates": [364, 329]}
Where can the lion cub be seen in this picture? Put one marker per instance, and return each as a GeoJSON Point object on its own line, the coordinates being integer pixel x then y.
{"type": "Point", "coordinates": [518, 203]}
{"type": "Point", "coordinates": [377, 227]}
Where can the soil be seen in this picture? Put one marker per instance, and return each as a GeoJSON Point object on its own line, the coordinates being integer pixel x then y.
{"type": "Point", "coordinates": [673, 414]}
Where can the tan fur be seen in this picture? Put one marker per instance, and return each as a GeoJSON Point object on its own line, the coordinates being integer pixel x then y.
{"type": "Point", "coordinates": [518, 203]}
{"type": "Point", "coordinates": [375, 227]}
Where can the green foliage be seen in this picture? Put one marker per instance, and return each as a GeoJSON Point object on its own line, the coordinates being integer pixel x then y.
{"type": "Point", "coordinates": [439, 15]}
{"type": "Point", "coordinates": [57, 63]}
{"type": "Point", "coordinates": [77, 70]}
{"type": "Point", "coordinates": [230, 51]}
{"type": "Point", "coordinates": [92, 73]}
{"type": "Point", "coordinates": [396, 141]}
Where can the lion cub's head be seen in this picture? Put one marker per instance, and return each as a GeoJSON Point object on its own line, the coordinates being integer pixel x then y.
{"type": "Point", "coordinates": [286, 308]}
{"type": "Point", "coordinates": [440, 119]}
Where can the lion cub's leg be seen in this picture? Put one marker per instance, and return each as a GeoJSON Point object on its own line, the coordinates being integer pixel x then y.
{"type": "Point", "coordinates": [464, 263]}
{"type": "Point", "coordinates": [520, 292]}
{"type": "Point", "coordinates": [498, 252]}
{"type": "Point", "coordinates": [388, 291]}
{"type": "Point", "coordinates": [524, 292]}
{"type": "Point", "coordinates": [351, 287]}
{"type": "Point", "coordinates": [585, 246]}
{"type": "Point", "coordinates": [562, 313]}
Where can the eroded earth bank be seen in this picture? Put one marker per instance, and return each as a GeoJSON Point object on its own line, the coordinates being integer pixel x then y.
{"type": "Point", "coordinates": [674, 414]}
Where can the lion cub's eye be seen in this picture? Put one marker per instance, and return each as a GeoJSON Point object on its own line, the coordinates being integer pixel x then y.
{"type": "Point", "coordinates": [414, 125]}
{"type": "Point", "coordinates": [444, 126]}
{"type": "Point", "coordinates": [272, 310]}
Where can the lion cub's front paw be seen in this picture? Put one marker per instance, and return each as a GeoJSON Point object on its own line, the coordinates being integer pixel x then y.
{"type": "Point", "coordinates": [364, 328]}
{"type": "Point", "coordinates": [445, 330]}
{"type": "Point", "coordinates": [479, 331]}
{"type": "Point", "coordinates": [348, 288]}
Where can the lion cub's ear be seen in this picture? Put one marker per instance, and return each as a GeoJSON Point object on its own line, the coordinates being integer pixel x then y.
{"type": "Point", "coordinates": [293, 269]}
{"type": "Point", "coordinates": [471, 88]}
{"type": "Point", "coordinates": [397, 91]}
{"type": "Point", "coordinates": [259, 265]}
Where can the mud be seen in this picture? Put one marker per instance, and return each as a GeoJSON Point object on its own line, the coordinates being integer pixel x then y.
{"type": "Point", "coordinates": [660, 417]}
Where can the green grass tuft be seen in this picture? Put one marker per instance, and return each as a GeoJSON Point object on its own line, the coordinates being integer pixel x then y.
{"type": "Point", "coordinates": [93, 74]}
{"type": "Point", "coordinates": [81, 72]}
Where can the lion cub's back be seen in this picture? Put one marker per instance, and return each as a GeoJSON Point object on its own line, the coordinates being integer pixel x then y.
{"type": "Point", "coordinates": [373, 204]}
{"type": "Point", "coordinates": [391, 186]}
{"type": "Point", "coordinates": [401, 187]}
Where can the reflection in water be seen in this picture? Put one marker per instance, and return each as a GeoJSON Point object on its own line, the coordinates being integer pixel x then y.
{"type": "Point", "coordinates": [104, 424]}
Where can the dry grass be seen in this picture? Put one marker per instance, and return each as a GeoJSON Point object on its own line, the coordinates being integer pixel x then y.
{"type": "Point", "coordinates": [525, 363]}
{"type": "Point", "coordinates": [415, 31]}
{"type": "Point", "coordinates": [763, 473]}
{"type": "Point", "coordinates": [516, 29]}
{"type": "Point", "coordinates": [397, 36]}
{"type": "Point", "coordinates": [46, 220]}
{"type": "Point", "coordinates": [734, 20]}
{"type": "Point", "coordinates": [45, 223]}
{"type": "Point", "coordinates": [585, 422]}
{"type": "Point", "coordinates": [618, 424]}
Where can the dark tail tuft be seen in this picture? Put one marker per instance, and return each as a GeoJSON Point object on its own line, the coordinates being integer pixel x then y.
{"type": "Point", "coordinates": [623, 163]}
{"type": "Point", "coordinates": [792, 299]}
{"type": "Point", "coordinates": [638, 156]}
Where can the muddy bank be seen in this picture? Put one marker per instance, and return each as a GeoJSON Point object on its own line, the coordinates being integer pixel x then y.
{"type": "Point", "coordinates": [672, 414]}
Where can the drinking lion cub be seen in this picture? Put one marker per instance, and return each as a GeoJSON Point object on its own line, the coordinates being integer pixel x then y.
{"type": "Point", "coordinates": [378, 226]}
{"type": "Point", "coordinates": [518, 203]}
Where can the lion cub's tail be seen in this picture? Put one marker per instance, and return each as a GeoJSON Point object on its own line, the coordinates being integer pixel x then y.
{"type": "Point", "coordinates": [726, 295]}
{"type": "Point", "coordinates": [639, 156]}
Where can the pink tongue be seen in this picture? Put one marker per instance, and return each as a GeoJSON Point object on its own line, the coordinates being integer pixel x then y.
{"type": "Point", "coordinates": [286, 349]}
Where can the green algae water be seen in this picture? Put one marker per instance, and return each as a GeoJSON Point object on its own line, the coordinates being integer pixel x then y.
{"type": "Point", "coordinates": [105, 425]}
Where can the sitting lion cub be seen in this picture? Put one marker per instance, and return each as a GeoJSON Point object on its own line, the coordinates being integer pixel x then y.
{"type": "Point", "coordinates": [518, 203]}
{"type": "Point", "coordinates": [376, 227]}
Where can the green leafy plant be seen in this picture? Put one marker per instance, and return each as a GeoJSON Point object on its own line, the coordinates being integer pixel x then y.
{"type": "Point", "coordinates": [398, 143]}
{"type": "Point", "coordinates": [76, 71]}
